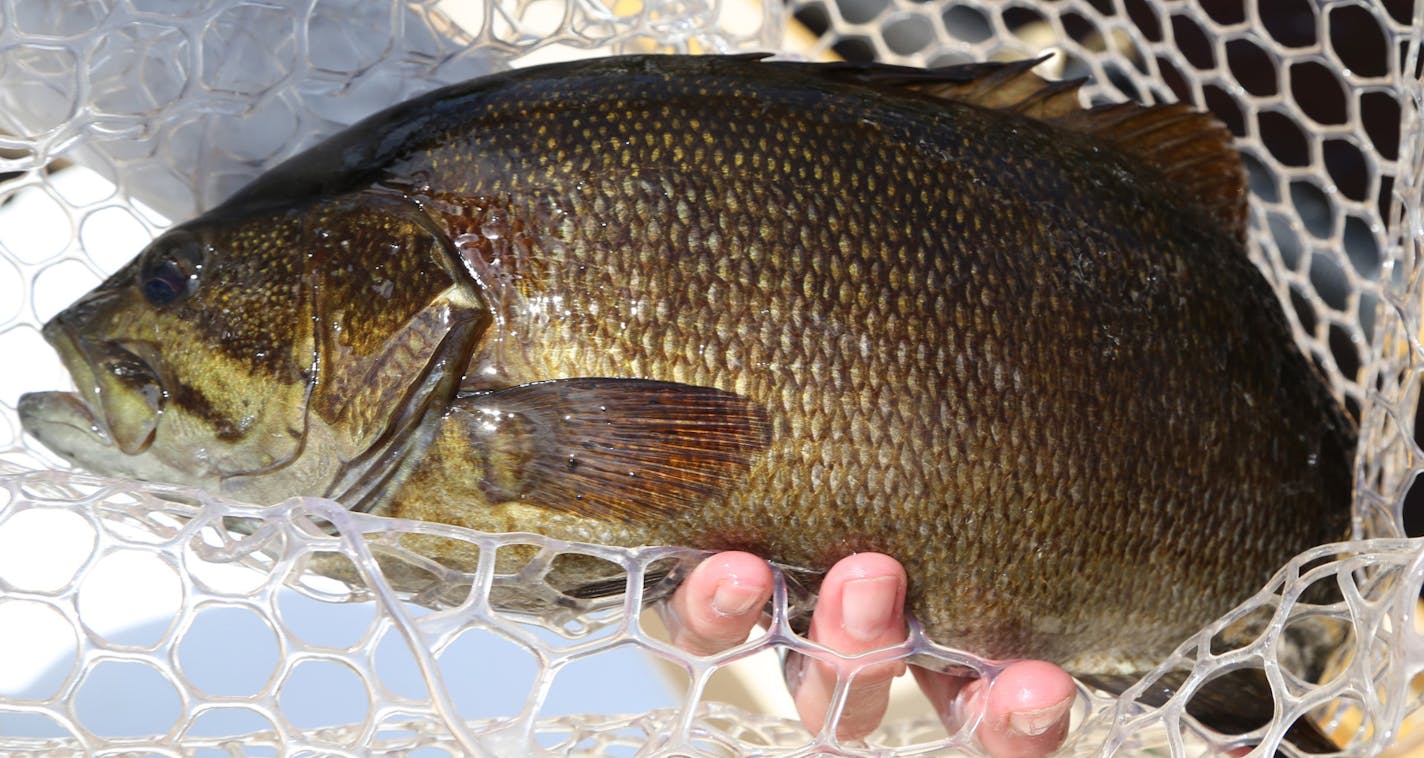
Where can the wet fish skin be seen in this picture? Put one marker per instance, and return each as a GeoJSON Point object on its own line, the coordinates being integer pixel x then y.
{"type": "Point", "coordinates": [942, 315]}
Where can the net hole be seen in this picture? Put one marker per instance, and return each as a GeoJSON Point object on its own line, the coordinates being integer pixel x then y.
{"type": "Point", "coordinates": [608, 674]}
{"type": "Point", "coordinates": [1329, 280]}
{"type": "Point", "coordinates": [324, 624]}
{"type": "Point", "coordinates": [20, 726]}
{"type": "Point", "coordinates": [1163, 687]}
{"type": "Point", "coordinates": [228, 651]}
{"type": "Point", "coordinates": [1318, 92]}
{"type": "Point", "coordinates": [1028, 24]}
{"type": "Point", "coordinates": [470, 663]}
{"type": "Point", "coordinates": [1225, 12]}
{"type": "Point", "coordinates": [1385, 206]}
{"type": "Point", "coordinates": [1347, 168]}
{"type": "Point", "coordinates": [1304, 734]}
{"type": "Point", "coordinates": [730, 682]}
{"type": "Point", "coordinates": [1243, 631]}
{"type": "Point", "coordinates": [1234, 702]}
{"type": "Point", "coordinates": [1284, 138]}
{"type": "Point", "coordinates": [44, 234]}
{"type": "Point", "coordinates": [1252, 67]}
{"type": "Point", "coordinates": [39, 651]}
{"type": "Point", "coordinates": [1314, 208]}
{"type": "Point", "coordinates": [1225, 108]}
{"type": "Point", "coordinates": [1402, 11]}
{"type": "Point", "coordinates": [967, 24]}
{"type": "Point", "coordinates": [130, 597]}
{"type": "Point", "coordinates": [1358, 41]}
{"type": "Point", "coordinates": [1262, 180]}
{"type": "Point", "coordinates": [42, 549]}
{"type": "Point", "coordinates": [349, 39]}
{"type": "Point", "coordinates": [1381, 114]}
{"type": "Point", "coordinates": [1306, 657]}
{"type": "Point", "coordinates": [1304, 311]}
{"type": "Point", "coordinates": [1289, 22]}
{"type": "Point", "coordinates": [245, 50]}
{"type": "Point", "coordinates": [1193, 43]}
{"type": "Point", "coordinates": [815, 18]}
{"type": "Point", "coordinates": [1176, 81]}
{"type": "Point", "coordinates": [1122, 82]}
{"type": "Point", "coordinates": [323, 693]}
{"type": "Point", "coordinates": [586, 577]}
{"type": "Point", "coordinates": [855, 49]}
{"type": "Point", "coordinates": [907, 34]}
{"type": "Point", "coordinates": [1345, 351]}
{"type": "Point", "coordinates": [126, 699]}
{"type": "Point", "coordinates": [1144, 17]}
{"type": "Point", "coordinates": [1104, 7]}
{"type": "Point", "coordinates": [59, 284]}
{"type": "Point", "coordinates": [1345, 720]}
{"type": "Point", "coordinates": [1083, 31]}
{"type": "Point", "coordinates": [862, 11]}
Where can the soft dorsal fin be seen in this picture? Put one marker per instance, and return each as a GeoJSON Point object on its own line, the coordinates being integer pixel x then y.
{"type": "Point", "coordinates": [1189, 147]}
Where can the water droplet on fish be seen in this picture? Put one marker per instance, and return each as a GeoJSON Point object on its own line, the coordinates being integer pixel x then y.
{"type": "Point", "coordinates": [495, 226]}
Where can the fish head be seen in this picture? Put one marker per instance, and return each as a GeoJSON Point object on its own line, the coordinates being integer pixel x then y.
{"type": "Point", "coordinates": [262, 353]}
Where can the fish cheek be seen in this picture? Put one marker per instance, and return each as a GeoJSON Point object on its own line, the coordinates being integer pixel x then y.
{"type": "Point", "coordinates": [237, 355]}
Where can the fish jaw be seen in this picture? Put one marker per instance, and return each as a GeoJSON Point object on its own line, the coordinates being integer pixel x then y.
{"type": "Point", "coordinates": [64, 424]}
{"type": "Point", "coordinates": [122, 389]}
{"type": "Point", "coordinates": [110, 421]}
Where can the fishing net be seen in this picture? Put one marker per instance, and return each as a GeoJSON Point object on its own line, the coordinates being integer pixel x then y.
{"type": "Point", "coordinates": [139, 618]}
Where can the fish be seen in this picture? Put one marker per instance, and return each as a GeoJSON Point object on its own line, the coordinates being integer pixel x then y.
{"type": "Point", "coordinates": [803, 310]}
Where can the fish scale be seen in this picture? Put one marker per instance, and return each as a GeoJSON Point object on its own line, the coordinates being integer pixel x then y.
{"type": "Point", "coordinates": [796, 309]}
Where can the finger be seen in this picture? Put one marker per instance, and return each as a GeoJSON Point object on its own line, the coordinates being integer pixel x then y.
{"type": "Point", "coordinates": [861, 607]}
{"type": "Point", "coordinates": [1026, 709]}
{"type": "Point", "coordinates": [719, 603]}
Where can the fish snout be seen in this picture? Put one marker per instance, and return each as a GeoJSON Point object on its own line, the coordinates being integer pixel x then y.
{"type": "Point", "coordinates": [120, 389]}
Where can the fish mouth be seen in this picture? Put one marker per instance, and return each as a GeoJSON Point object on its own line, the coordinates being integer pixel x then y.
{"type": "Point", "coordinates": [117, 405]}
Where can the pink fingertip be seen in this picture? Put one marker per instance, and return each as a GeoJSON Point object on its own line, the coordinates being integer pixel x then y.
{"type": "Point", "coordinates": [733, 598]}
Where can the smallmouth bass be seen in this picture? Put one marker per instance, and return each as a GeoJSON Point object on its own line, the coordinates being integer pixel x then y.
{"type": "Point", "coordinates": [803, 310]}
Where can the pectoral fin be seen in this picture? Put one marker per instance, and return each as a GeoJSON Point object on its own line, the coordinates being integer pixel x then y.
{"type": "Point", "coordinates": [629, 450]}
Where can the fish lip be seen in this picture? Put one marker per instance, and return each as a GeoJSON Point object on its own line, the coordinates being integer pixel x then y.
{"type": "Point", "coordinates": [40, 410]}
{"type": "Point", "coordinates": [119, 391]}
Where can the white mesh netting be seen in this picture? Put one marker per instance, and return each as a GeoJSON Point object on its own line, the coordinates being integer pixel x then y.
{"type": "Point", "coordinates": [162, 621]}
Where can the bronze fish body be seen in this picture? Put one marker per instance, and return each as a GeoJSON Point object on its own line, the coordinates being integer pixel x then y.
{"type": "Point", "coordinates": [799, 309]}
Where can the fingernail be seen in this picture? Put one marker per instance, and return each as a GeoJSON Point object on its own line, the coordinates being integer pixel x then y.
{"type": "Point", "coordinates": [733, 598]}
{"type": "Point", "coordinates": [1034, 723]}
{"type": "Point", "coordinates": [868, 606]}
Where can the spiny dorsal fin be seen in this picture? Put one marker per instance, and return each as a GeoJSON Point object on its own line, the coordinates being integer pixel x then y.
{"type": "Point", "coordinates": [1009, 87]}
{"type": "Point", "coordinates": [1189, 147]}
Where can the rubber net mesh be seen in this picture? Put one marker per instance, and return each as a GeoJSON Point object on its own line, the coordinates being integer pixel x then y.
{"type": "Point", "coordinates": [168, 106]}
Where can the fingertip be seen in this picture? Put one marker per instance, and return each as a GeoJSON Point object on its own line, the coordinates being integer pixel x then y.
{"type": "Point", "coordinates": [860, 608]}
{"type": "Point", "coordinates": [1031, 686]}
{"type": "Point", "coordinates": [741, 584]}
{"type": "Point", "coordinates": [1027, 709]}
{"type": "Point", "coordinates": [863, 566]}
{"type": "Point", "coordinates": [719, 602]}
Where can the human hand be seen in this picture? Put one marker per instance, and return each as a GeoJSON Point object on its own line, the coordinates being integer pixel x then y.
{"type": "Point", "coordinates": [861, 608]}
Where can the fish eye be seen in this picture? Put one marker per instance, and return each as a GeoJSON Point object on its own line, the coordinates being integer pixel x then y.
{"type": "Point", "coordinates": [171, 269]}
